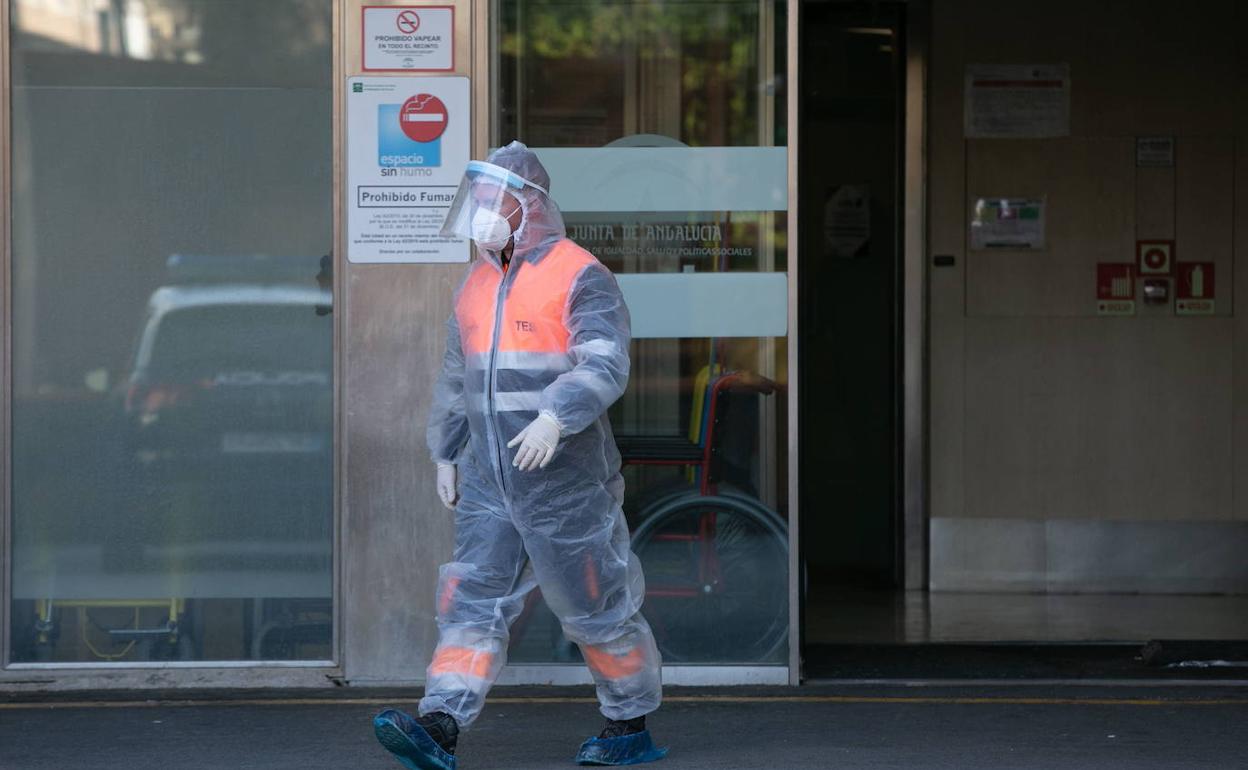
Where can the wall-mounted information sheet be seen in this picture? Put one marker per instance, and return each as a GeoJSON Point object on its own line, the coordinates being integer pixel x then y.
{"type": "Point", "coordinates": [408, 141]}
{"type": "Point", "coordinates": [1005, 222]}
{"type": "Point", "coordinates": [1029, 101]}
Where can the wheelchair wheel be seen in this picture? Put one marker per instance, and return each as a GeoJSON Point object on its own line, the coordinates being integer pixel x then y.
{"type": "Point", "coordinates": [716, 573]}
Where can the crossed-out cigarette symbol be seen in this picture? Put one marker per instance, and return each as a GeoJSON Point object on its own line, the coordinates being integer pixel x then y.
{"type": "Point", "coordinates": [407, 22]}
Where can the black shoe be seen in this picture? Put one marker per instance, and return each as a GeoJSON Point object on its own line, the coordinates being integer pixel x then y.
{"type": "Point", "coordinates": [443, 728]}
{"type": "Point", "coordinates": [616, 728]}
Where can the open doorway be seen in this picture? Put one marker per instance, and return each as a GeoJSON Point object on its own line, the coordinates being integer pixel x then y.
{"type": "Point", "coordinates": [1110, 579]}
{"type": "Point", "coordinates": [851, 134]}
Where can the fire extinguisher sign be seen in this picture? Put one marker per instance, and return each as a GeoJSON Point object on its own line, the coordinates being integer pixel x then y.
{"type": "Point", "coordinates": [1115, 289]}
{"type": "Point", "coordinates": [1195, 292]}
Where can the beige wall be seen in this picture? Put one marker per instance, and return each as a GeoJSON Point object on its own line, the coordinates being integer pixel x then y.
{"type": "Point", "coordinates": [1040, 410]}
{"type": "Point", "coordinates": [395, 533]}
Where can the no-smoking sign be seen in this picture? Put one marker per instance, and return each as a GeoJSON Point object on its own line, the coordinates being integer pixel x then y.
{"type": "Point", "coordinates": [1154, 257]}
{"type": "Point", "coordinates": [407, 22]}
{"type": "Point", "coordinates": [407, 38]}
{"type": "Point", "coordinates": [423, 118]}
{"type": "Point", "coordinates": [407, 141]}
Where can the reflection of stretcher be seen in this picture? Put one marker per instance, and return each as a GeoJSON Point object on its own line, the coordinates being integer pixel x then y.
{"type": "Point", "coordinates": [163, 629]}
{"type": "Point", "coordinates": [257, 601]}
{"type": "Point", "coordinates": [162, 641]}
{"type": "Point", "coordinates": [715, 558]}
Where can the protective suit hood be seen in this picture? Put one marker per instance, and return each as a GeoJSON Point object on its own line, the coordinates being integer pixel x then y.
{"type": "Point", "coordinates": [515, 170]}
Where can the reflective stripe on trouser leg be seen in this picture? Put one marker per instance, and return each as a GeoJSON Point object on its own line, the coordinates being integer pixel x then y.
{"type": "Point", "coordinates": [463, 668]}
{"type": "Point", "coordinates": [480, 594]}
{"type": "Point", "coordinates": [626, 672]}
{"type": "Point", "coordinates": [593, 583]}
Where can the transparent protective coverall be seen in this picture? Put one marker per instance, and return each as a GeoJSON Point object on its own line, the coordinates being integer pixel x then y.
{"type": "Point", "coordinates": [547, 334]}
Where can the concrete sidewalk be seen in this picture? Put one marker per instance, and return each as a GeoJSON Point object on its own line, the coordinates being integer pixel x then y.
{"type": "Point", "coordinates": [811, 727]}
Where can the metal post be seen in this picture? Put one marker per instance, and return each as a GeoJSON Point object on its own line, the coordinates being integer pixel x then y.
{"type": "Point", "coordinates": [6, 188]}
{"type": "Point", "coordinates": [792, 90]}
{"type": "Point", "coordinates": [914, 305]}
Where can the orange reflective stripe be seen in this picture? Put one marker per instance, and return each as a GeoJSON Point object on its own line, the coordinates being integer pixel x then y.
{"type": "Point", "coordinates": [448, 593]}
{"type": "Point", "coordinates": [615, 666]}
{"type": "Point", "coordinates": [463, 661]}
{"type": "Point", "coordinates": [533, 315]}
{"type": "Point", "coordinates": [591, 578]}
{"type": "Point", "coordinates": [475, 309]}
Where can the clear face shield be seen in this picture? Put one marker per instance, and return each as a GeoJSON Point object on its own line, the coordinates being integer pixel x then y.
{"type": "Point", "coordinates": [488, 196]}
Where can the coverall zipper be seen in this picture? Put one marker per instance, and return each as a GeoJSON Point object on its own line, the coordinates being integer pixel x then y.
{"type": "Point", "coordinates": [498, 326]}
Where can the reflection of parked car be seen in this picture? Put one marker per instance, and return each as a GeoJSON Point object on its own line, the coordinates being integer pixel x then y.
{"type": "Point", "coordinates": [211, 518]}
{"type": "Point", "coordinates": [230, 374]}
{"type": "Point", "coordinates": [229, 409]}
{"type": "Point", "coordinates": [227, 446]}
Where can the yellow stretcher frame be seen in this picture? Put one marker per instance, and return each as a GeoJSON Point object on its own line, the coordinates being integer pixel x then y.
{"type": "Point", "coordinates": [44, 607]}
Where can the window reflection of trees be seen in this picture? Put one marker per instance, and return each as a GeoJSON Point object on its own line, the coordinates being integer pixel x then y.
{"type": "Point", "coordinates": [277, 41]}
{"type": "Point", "coordinates": [701, 72]}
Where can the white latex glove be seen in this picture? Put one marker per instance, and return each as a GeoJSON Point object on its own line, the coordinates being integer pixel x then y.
{"type": "Point", "coordinates": [447, 489]}
{"type": "Point", "coordinates": [537, 443]}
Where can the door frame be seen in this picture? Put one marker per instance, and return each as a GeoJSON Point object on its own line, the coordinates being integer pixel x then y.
{"type": "Point", "coordinates": [6, 149]}
{"type": "Point", "coordinates": [914, 303]}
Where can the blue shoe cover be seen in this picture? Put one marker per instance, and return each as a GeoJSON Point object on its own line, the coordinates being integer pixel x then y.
{"type": "Point", "coordinates": [409, 743]}
{"type": "Point", "coordinates": [624, 750]}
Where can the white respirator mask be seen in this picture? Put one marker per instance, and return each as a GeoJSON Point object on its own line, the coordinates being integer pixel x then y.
{"type": "Point", "coordinates": [490, 229]}
{"type": "Point", "coordinates": [485, 202]}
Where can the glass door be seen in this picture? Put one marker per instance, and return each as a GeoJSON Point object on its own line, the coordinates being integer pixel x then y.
{"type": "Point", "coordinates": [663, 126]}
{"type": "Point", "coordinates": [172, 349]}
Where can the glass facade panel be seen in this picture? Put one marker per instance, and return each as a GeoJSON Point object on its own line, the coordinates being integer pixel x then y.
{"type": "Point", "coordinates": [663, 127]}
{"type": "Point", "coordinates": [172, 463]}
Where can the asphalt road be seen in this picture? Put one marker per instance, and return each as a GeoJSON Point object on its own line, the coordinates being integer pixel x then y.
{"type": "Point", "coordinates": [812, 727]}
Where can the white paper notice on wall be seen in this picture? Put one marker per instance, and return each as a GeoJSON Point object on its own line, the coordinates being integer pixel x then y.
{"type": "Point", "coordinates": [847, 221]}
{"type": "Point", "coordinates": [399, 38]}
{"type": "Point", "coordinates": [1017, 101]}
{"type": "Point", "coordinates": [408, 141]}
{"type": "Point", "coordinates": [1154, 151]}
{"type": "Point", "coordinates": [1007, 222]}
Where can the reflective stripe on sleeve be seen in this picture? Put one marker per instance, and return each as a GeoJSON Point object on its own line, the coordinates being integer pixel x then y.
{"type": "Point", "coordinates": [517, 402]}
{"type": "Point", "coordinates": [526, 359]}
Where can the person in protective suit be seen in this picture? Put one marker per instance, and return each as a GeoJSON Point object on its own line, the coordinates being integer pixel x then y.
{"type": "Point", "coordinates": [537, 350]}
